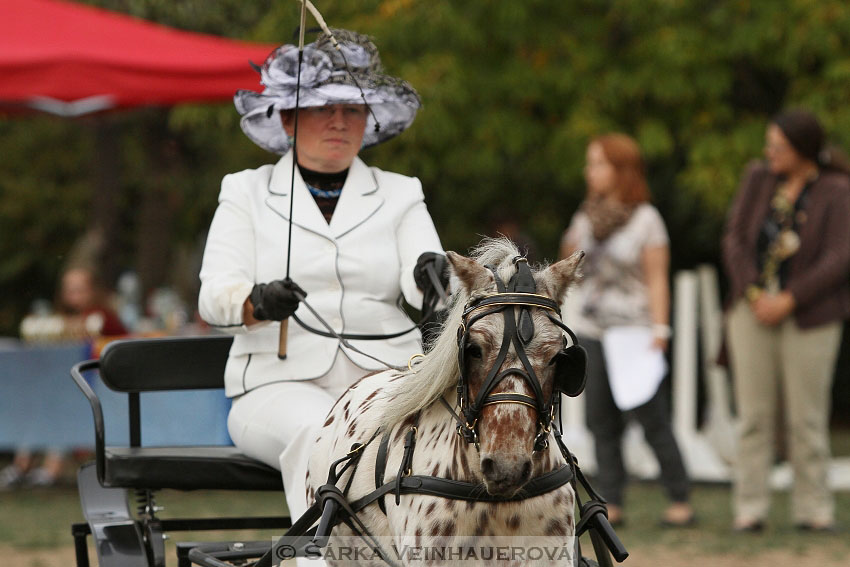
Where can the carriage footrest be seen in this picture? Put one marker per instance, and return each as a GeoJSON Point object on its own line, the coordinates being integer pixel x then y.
{"type": "Point", "coordinates": [221, 553]}
{"type": "Point", "coordinates": [117, 535]}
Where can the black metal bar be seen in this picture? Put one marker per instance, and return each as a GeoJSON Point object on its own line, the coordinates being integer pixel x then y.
{"type": "Point", "coordinates": [135, 413]}
{"type": "Point", "coordinates": [211, 554]}
{"type": "Point", "coordinates": [96, 409]}
{"type": "Point", "coordinates": [207, 524]}
{"type": "Point", "coordinates": [183, 549]}
{"type": "Point", "coordinates": [81, 550]}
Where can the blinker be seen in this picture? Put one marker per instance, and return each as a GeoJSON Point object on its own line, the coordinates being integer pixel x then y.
{"type": "Point", "coordinates": [571, 370]}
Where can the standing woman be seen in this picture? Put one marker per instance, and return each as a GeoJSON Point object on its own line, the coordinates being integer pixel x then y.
{"type": "Point", "coordinates": [786, 250]}
{"type": "Point", "coordinates": [360, 239]}
{"type": "Point", "coordinates": [626, 297]}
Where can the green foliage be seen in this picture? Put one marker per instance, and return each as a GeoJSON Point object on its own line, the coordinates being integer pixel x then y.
{"type": "Point", "coordinates": [512, 92]}
{"type": "Point", "coordinates": [43, 204]}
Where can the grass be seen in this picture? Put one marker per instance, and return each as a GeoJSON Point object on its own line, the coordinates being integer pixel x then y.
{"type": "Point", "coordinates": [41, 520]}
{"type": "Point", "coordinates": [712, 535]}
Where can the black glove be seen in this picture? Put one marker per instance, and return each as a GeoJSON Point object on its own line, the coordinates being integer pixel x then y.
{"type": "Point", "coordinates": [420, 275]}
{"type": "Point", "coordinates": [277, 300]}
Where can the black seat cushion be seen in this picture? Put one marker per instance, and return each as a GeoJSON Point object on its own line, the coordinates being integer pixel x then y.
{"type": "Point", "coordinates": [187, 468]}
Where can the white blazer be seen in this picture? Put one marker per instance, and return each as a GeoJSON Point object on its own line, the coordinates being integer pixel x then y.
{"type": "Point", "coordinates": [354, 270]}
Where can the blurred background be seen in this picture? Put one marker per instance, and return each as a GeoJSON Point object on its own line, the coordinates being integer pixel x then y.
{"type": "Point", "coordinates": [512, 92]}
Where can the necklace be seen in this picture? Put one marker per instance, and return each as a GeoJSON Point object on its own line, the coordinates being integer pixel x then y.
{"type": "Point", "coordinates": [324, 193]}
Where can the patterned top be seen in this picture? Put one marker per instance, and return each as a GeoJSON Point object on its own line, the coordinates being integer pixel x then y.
{"type": "Point", "coordinates": [613, 290]}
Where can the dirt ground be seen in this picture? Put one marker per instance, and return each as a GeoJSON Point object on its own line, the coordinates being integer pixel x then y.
{"type": "Point", "coordinates": [641, 557]}
{"type": "Point", "coordinates": [657, 557]}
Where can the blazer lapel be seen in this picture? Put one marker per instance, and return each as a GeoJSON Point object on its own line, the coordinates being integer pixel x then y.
{"type": "Point", "coordinates": [304, 209]}
{"type": "Point", "coordinates": [359, 200]}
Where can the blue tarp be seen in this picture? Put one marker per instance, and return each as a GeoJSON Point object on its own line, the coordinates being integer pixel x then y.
{"type": "Point", "coordinates": [41, 407]}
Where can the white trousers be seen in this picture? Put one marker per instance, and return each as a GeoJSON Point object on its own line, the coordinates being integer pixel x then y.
{"type": "Point", "coordinates": [278, 425]}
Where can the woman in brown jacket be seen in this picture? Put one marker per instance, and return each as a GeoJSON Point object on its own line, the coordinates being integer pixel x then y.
{"type": "Point", "coordinates": [786, 250]}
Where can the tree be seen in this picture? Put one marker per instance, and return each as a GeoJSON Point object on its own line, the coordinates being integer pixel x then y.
{"type": "Point", "coordinates": [512, 92]}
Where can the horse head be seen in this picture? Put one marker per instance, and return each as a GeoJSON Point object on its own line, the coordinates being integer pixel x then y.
{"type": "Point", "coordinates": [515, 357]}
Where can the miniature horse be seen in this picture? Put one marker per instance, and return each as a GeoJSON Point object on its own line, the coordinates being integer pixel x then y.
{"type": "Point", "coordinates": [506, 452]}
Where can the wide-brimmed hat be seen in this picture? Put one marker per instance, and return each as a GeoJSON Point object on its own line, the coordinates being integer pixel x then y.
{"type": "Point", "coordinates": [328, 76]}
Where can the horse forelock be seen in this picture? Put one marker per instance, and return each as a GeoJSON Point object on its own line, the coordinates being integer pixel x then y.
{"type": "Point", "coordinates": [438, 371]}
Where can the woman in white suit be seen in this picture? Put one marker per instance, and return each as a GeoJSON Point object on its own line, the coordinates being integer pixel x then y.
{"type": "Point", "coordinates": [358, 235]}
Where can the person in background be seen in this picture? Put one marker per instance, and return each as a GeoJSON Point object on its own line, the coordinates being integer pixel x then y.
{"type": "Point", "coordinates": [626, 297]}
{"type": "Point", "coordinates": [83, 304]}
{"type": "Point", "coordinates": [786, 251]}
{"type": "Point", "coordinates": [362, 239]}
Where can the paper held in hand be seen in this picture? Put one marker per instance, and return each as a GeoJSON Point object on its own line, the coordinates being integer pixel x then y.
{"type": "Point", "coordinates": [635, 368]}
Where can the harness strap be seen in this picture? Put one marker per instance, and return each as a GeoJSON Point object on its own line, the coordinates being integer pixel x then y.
{"type": "Point", "coordinates": [405, 468]}
{"type": "Point", "coordinates": [467, 431]}
{"type": "Point", "coordinates": [300, 529]}
{"type": "Point", "coordinates": [592, 514]}
{"type": "Point", "coordinates": [381, 467]}
{"type": "Point", "coordinates": [508, 298]}
{"type": "Point", "coordinates": [468, 491]}
{"type": "Point", "coordinates": [511, 336]}
{"type": "Point", "coordinates": [331, 492]}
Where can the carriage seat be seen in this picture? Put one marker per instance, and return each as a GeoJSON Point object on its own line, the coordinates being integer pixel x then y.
{"type": "Point", "coordinates": [187, 468]}
{"type": "Point", "coordinates": [133, 366]}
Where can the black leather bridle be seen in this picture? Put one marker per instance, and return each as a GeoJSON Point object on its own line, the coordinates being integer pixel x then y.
{"type": "Point", "coordinates": [515, 301]}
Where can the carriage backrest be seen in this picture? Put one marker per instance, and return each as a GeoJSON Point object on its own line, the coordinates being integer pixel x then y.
{"type": "Point", "coordinates": [165, 363]}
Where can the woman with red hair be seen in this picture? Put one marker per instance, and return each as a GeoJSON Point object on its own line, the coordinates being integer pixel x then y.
{"type": "Point", "coordinates": [624, 320]}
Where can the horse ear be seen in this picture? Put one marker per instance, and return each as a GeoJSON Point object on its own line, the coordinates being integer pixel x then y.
{"type": "Point", "coordinates": [561, 275]}
{"type": "Point", "coordinates": [471, 274]}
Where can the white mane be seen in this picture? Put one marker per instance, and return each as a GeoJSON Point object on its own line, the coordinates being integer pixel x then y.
{"type": "Point", "coordinates": [438, 371]}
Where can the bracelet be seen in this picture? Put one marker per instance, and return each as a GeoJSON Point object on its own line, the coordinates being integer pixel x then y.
{"type": "Point", "coordinates": [661, 331]}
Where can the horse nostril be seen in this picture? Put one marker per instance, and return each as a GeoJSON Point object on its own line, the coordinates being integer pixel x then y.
{"type": "Point", "coordinates": [488, 467]}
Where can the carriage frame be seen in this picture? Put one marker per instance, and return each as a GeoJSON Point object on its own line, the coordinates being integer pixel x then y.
{"type": "Point", "coordinates": [127, 538]}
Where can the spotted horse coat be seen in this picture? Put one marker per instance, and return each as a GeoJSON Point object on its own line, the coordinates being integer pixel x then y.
{"type": "Point", "coordinates": [431, 530]}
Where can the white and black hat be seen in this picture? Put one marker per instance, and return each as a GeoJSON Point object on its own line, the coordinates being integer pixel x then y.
{"type": "Point", "coordinates": [329, 75]}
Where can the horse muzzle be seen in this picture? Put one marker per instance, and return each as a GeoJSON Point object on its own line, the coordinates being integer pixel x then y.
{"type": "Point", "coordinates": [504, 475]}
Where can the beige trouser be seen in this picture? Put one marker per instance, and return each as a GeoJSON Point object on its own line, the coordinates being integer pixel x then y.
{"type": "Point", "coordinates": [801, 362]}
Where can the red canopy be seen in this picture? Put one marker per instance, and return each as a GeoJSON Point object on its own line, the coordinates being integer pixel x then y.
{"type": "Point", "coordinates": [70, 59]}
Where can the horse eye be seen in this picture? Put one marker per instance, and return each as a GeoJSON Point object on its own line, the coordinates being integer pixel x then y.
{"type": "Point", "coordinates": [473, 351]}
